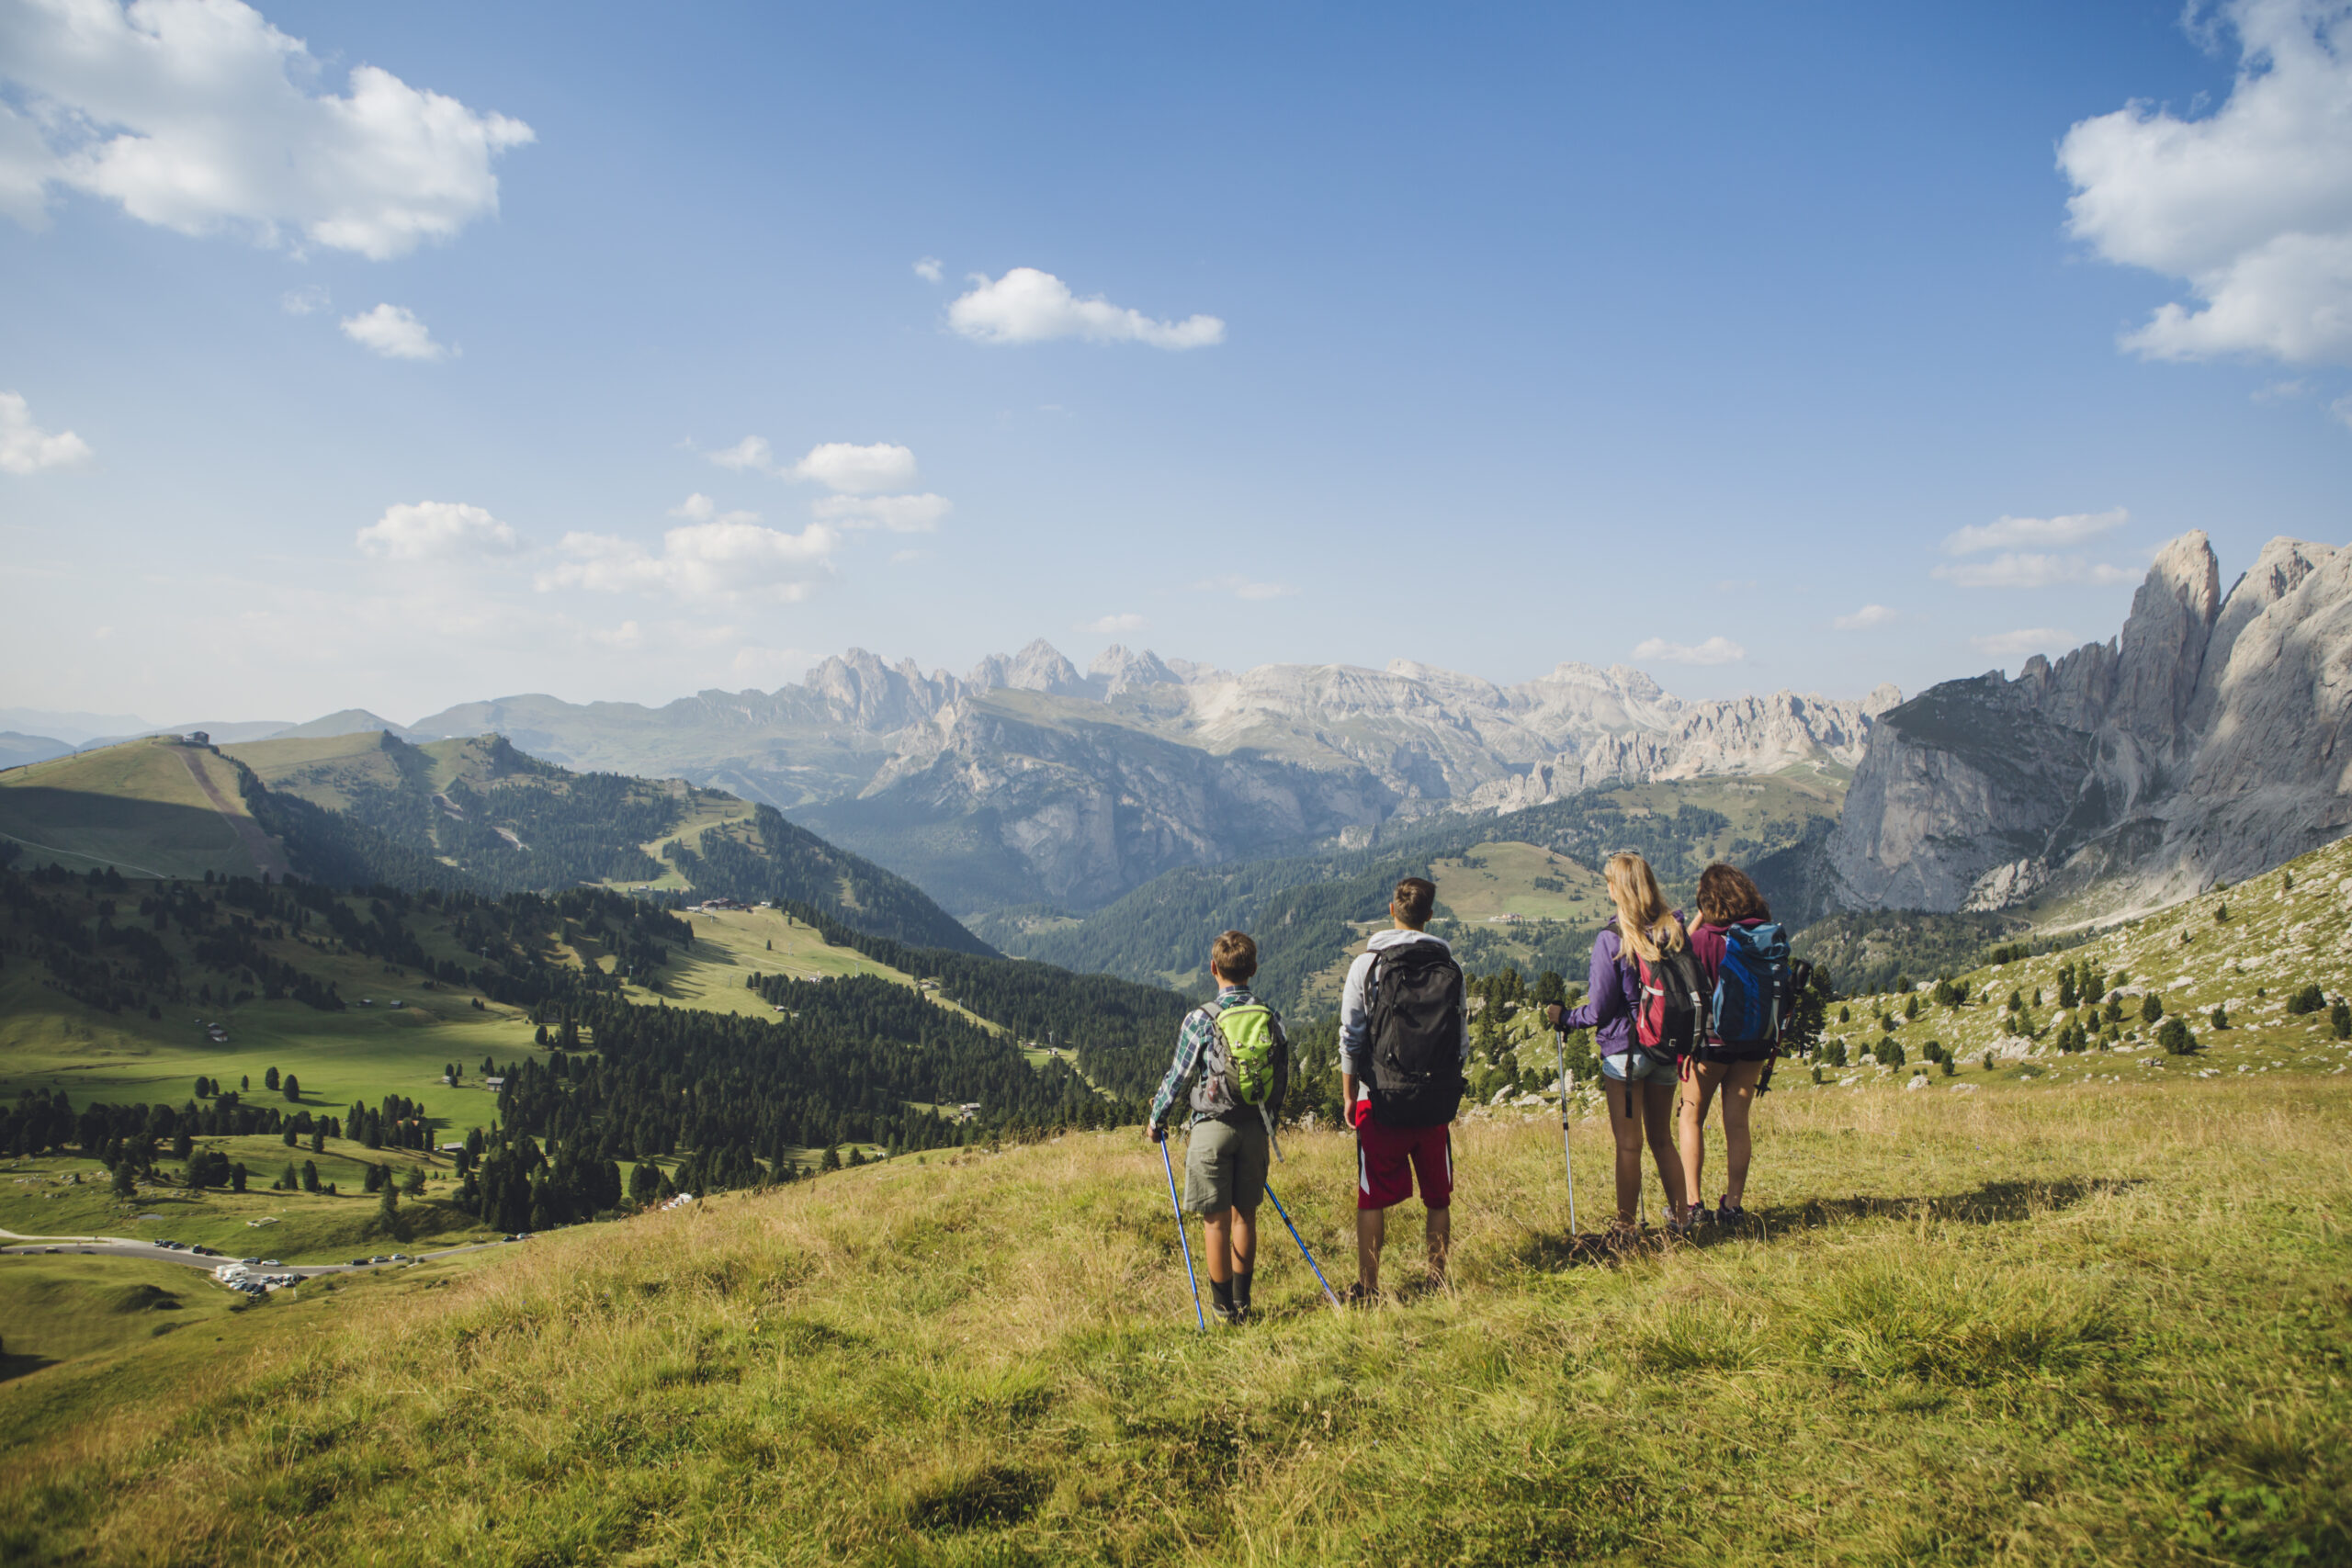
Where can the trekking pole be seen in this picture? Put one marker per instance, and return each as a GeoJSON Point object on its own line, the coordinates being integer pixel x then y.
{"type": "Point", "coordinates": [1186, 1241]}
{"type": "Point", "coordinates": [1302, 1250]}
{"type": "Point", "coordinates": [1567, 1158]}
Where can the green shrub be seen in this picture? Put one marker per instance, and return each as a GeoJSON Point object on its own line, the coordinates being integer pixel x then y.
{"type": "Point", "coordinates": [2219, 1018]}
{"type": "Point", "coordinates": [1890, 1052]}
{"type": "Point", "coordinates": [1950, 1067]}
{"type": "Point", "coordinates": [2152, 1008]}
{"type": "Point", "coordinates": [2175, 1039]}
{"type": "Point", "coordinates": [2340, 1018]}
{"type": "Point", "coordinates": [2311, 999]}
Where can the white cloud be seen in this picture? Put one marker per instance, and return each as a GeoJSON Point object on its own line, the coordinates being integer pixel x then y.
{"type": "Point", "coordinates": [700, 508]}
{"type": "Point", "coordinates": [857, 471]}
{"type": "Point", "coordinates": [1714, 650]}
{"type": "Point", "coordinates": [1029, 306]}
{"type": "Point", "coordinates": [435, 530]}
{"type": "Point", "coordinates": [393, 332]}
{"type": "Point", "coordinates": [929, 269]}
{"type": "Point", "coordinates": [2014, 569]}
{"type": "Point", "coordinates": [1241, 587]}
{"type": "Point", "coordinates": [2342, 409]}
{"type": "Point", "coordinates": [898, 513]}
{"type": "Point", "coordinates": [2048, 533]}
{"type": "Point", "coordinates": [194, 115]}
{"type": "Point", "coordinates": [837, 465]}
{"type": "Point", "coordinates": [26, 448]}
{"type": "Point", "coordinates": [1126, 623]}
{"type": "Point", "coordinates": [1865, 618]}
{"type": "Point", "coordinates": [307, 300]}
{"type": "Point", "coordinates": [2281, 391]}
{"type": "Point", "coordinates": [2021, 644]}
{"type": "Point", "coordinates": [753, 452]}
{"type": "Point", "coordinates": [2251, 206]}
{"type": "Point", "coordinates": [729, 559]}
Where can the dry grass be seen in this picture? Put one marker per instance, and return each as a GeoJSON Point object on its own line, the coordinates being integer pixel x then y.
{"type": "Point", "coordinates": [2022, 1326]}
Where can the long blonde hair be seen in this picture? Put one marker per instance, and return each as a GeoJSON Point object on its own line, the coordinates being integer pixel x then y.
{"type": "Point", "coordinates": [1645, 925]}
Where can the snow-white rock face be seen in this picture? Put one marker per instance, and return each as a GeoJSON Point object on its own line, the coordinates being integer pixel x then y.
{"type": "Point", "coordinates": [2198, 746]}
{"type": "Point", "coordinates": [1025, 780]}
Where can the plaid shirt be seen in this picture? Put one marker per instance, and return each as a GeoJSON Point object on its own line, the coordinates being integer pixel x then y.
{"type": "Point", "coordinates": [1194, 1039]}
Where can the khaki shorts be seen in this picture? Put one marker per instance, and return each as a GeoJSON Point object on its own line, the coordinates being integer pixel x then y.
{"type": "Point", "coordinates": [1224, 1165]}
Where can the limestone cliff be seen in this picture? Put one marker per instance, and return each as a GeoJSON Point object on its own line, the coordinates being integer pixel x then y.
{"type": "Point", "coordinates": [2198, 746]}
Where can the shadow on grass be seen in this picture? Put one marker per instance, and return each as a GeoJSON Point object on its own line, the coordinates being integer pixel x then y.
{"type": "Point", "coordinates": [12, 1366]}
{"type": "Point", "coordinates": [1995, 1202]}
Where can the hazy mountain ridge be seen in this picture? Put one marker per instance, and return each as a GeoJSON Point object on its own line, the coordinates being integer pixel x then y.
{"type": "Point", "coordinates": [1026, 780]}
{"type": "Point", "coordinates": [2198, 746]}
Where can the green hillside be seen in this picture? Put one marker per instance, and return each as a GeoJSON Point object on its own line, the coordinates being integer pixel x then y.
{"type": "Point", "coordinates": [2037, 1325]}
{"type": "Point", "coordinates": [2058, 1304]}
{"type": "Point", "coordinates": [150, 808]}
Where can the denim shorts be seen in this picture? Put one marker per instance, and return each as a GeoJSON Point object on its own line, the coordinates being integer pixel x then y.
{"type": "Point", "coordinates": [1637, 1064]}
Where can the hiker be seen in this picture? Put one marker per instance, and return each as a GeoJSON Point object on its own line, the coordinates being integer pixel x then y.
{"type": "Point", "coordinates": [1237, 1045]}
{"type": "Point", "coordinates": [1638, 1080]}
{"type": "Point", "coordinates": [1403, 1040]}
{"type": "Point", "coordinates": [1728, 902]}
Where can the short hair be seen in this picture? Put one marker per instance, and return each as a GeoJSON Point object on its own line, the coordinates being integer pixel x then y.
{"type": "Point", "coordinates": [1234, 956]}
{"type": "Point", "coordinates": [1415, 897]}
{"type": "Point", "coordinates": [1726, 894]}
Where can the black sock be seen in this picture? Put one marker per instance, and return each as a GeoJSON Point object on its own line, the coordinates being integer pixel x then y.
{"type": "Point", "coordinates": [1241, 1290]}
{"type": "Point", "coordinates": [1221, 1294]}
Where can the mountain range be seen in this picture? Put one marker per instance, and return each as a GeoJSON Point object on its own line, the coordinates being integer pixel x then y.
{"type": "Point", "coordinates": [1027, 782]}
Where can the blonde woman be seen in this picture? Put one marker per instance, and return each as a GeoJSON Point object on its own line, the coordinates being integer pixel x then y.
{"type": "Point", "coordinates": [1639, 1083]}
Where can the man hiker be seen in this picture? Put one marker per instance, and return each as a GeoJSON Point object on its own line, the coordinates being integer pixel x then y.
{"type": "Point", "coordinates": [1403, 1040]}
{"type": "Point", "coordinates": [1242, 1058]}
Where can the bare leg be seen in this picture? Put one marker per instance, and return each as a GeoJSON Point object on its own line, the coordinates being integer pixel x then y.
{"type": "Point", "coordinates": [1220, 1244]}
{"type": "Point", "coordinates": [1245, 1239]}
{"type": "Point", "coordinates": [1372, 1228]}
{"type": "Point", "coordinates": [1740, 1098]}
{"type": "Point", "coordinates": [1697, 1095]}
{"type": "Point", "coordinates": [1440, 1233]}
{"type": "Point", "coordinates": [1657, 1115]}
{"type": "Point", "coordinates": [1626, 1124]}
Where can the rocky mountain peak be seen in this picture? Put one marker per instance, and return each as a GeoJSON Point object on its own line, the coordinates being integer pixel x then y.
{"type": "Point", "coordinates": [1119, 669]}
{"type": "Point", "coordinates": [1039, 667]}
{"type": "Point", "coordinates": [2162, 645]}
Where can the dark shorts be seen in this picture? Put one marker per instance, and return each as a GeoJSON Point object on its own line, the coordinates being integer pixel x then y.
{"type": "Point", "coordinates": [1224, 1167]}
{"type": "Point", "coordinates": [1388, 1159]}
{"type": "Point", "coordinates": [1720, 1055]}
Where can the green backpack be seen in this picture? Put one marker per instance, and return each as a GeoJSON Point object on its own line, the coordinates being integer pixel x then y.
{"type": "Point", "coordinates": [1242, 1050]}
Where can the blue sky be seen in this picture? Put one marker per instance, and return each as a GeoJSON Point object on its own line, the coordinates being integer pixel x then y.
{"type": "Point", "coordinates": [392, 367]}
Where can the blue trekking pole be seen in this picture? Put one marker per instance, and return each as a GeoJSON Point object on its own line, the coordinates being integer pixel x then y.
{"type": "Point", "coordinates": [1170, 1165]}
{"type": "Point", "coordinates": [1302, 1248]}
{"type": "Point", "coordinates": [1560, 1038]}
{"type": "Point", "coordinates": [1287, 1213]}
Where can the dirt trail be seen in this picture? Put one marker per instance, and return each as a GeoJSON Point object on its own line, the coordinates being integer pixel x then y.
{"type": "Point", "coordinates": [268, 856]}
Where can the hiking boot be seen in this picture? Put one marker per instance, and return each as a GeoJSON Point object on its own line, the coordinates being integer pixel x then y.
{"type": "Point", "coordinates": [1730, 1213]}
{"type": "Point", "coordinates": [1686, 1223]}
{"type": "Point", "coordinates": [1228, 1315]}
{"type": "Point", "coordinates": [1358, 1296]}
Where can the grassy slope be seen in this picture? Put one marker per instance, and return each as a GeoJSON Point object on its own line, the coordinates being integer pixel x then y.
{"type": "Point", "coordinates": [132, 806]}
{"type": "Point", "coordinates": [2081, 1324]}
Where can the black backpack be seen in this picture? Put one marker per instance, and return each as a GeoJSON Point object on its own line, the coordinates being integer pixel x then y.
{"type": "Point", "coordinates": [1415, 1035]}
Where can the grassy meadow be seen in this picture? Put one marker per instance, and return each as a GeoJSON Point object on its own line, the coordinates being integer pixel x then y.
{"type": "Point", "coordinates": [136, 807]}
{"type": "Point", "coordinates": [2035, 1324]}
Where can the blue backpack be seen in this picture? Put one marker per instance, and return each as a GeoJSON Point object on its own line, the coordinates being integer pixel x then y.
{"type": "Point", "coordinates": [1754, 990]}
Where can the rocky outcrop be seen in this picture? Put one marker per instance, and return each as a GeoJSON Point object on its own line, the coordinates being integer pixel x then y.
{"type": "Point", "coordinates": [2198, 746]}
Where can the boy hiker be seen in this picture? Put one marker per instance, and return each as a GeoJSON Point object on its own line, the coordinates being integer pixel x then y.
{"type": "Point", "coordinates": [1243, 1057]}
{"type": "Point", "coordinates": [1404, 1040]}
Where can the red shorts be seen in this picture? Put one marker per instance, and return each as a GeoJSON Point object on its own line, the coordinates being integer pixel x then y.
{"type": "Point", "coordinates": [1382, 1153]}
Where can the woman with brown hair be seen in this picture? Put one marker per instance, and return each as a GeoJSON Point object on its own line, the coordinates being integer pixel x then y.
{"type": "Point", "coordinates": [1726, 898]}
{"type": "Point", "coordinates": [1630, 1076]}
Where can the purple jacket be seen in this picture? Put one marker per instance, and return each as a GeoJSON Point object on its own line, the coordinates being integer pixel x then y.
{"type": "Point", "coordinates": [1611, 991]}
{"type": "Point", "coordinates": [1608, 997]}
